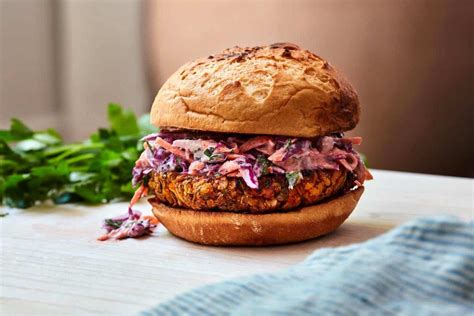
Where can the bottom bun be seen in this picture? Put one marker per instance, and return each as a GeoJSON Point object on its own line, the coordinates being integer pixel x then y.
{"type": "Point", "coordinates": [236, 229]}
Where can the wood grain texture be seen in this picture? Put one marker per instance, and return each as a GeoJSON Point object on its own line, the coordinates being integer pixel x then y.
{"type": "Point", "coordinates": [51, 263]}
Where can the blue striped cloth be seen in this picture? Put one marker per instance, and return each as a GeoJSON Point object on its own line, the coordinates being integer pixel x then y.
{"type": "Point", "coordinates": [425, 267]}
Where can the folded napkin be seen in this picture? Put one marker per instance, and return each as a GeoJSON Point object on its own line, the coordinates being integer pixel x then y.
{"type": "Point", "coordinates": [425, 267]}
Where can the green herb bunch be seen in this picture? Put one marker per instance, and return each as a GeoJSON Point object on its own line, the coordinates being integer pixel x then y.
{"type": "Point", "coordinates": [36, 166]}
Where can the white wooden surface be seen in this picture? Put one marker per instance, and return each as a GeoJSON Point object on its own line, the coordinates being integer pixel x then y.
{"type": "Point", "coordinates": [51, 263]}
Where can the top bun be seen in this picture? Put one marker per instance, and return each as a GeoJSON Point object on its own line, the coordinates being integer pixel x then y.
{"type": "Point", "coordinates": [278, 89]}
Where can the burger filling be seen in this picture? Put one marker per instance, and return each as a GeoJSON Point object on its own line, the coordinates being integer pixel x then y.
{"type": "Point", "coordinates": [210, 171]}
{"type": "Point", "coordinates": [218, 172]}
{"type": "Point", "coordinates": [249, 158]}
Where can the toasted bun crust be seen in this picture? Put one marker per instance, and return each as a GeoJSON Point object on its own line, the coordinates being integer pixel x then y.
{"type": "Point", "coordinates": [278, 89]}
{"type": "Point", "coordinates": [233, 229]}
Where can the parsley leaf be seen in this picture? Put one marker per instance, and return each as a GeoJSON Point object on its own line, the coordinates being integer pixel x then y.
{"type": "Point", "coordinates": [36, 166]}
{"type": "Point", "coordinates": [208, 152]}
{"type": "Point", "coordinates": [212, 156]}
{"type": "Point", "coordinates": [264, 163]}
{"type": "Point", "coordinates": [123, 122]}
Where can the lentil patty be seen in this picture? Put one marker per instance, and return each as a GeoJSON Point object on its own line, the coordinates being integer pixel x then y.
{"type": "Point", "coordinates": [222, 193]}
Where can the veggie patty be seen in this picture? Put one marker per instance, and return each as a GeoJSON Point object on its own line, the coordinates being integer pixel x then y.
{"type": "Point", "coordinates": [224, 193]}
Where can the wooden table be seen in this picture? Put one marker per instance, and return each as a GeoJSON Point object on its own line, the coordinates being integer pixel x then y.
{"type": "Point", "coordinates": [52, 264]}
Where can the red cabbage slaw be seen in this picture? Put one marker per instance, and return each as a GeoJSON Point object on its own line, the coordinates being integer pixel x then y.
{"type": "Point", "coordinates": [130, 225]}
{"type": "Point", "coordinates": [247, 157]}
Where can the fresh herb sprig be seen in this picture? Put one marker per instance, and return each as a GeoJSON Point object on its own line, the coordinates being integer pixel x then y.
{"type": "Point", "coordinates": [36, 166]}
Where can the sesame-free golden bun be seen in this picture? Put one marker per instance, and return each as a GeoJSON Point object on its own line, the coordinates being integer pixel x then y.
{"type": "Point", "coordinates": [279, 89]}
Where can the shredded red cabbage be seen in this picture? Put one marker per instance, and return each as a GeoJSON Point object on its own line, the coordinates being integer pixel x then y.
{"type": "Point", "coordinates": [245, 156]}
{"type": "Point", "coordinates": [130, 225]}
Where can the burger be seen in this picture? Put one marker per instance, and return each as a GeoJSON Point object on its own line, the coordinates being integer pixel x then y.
{"type": "Point", "coordinates": [251, 149]}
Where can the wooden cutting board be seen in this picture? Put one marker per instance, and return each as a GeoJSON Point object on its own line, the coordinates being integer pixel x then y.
{"type": "Point", "coordinates": [51, 262]}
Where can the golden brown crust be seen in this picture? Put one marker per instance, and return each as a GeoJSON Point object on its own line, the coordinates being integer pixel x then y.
{"type": "Point", "coordinates": [200, 192]}
{"type": "Point", "coordinates": [278, 89]}
{"type": "Point", "coordinates": [232, 229]}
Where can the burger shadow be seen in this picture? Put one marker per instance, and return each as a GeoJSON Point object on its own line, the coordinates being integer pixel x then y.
{"type": "Point", "coordinates": [348, 234]}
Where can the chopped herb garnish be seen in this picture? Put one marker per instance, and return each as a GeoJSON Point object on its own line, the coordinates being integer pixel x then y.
{"type": "Point", "coordinates": [215, 157]}
{"type": "Point", "coordinates": [293, 178]}
{"type": "Point", "coordinates": [212, 156]}
{"type": "Point", "coordinates": [114, 224]}
{"type": "Point", "coordinates": [208, 152]}
{"type": "Point", "coordinates": [264, 163]}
